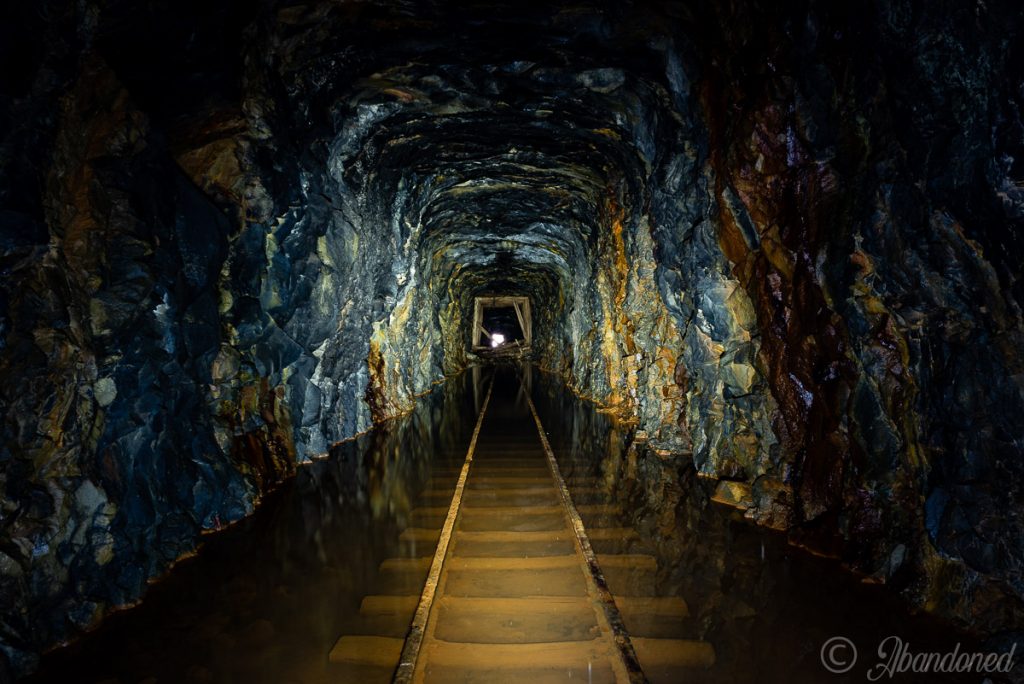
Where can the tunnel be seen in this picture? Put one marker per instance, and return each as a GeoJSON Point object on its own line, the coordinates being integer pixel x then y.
{"type": "Point", "coordinates": [389, 340]}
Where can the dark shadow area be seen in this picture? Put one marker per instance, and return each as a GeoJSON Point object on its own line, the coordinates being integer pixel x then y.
{"type": "Point", "coordinates": [766, 606]}
{"type": "Point", "coordinates": [265, 600]}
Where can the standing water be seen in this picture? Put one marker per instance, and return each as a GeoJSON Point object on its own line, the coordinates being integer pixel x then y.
{"type": "Point", "coordinates": [265, 600]}
{"type": "Point", "coordinates": [704, 595]}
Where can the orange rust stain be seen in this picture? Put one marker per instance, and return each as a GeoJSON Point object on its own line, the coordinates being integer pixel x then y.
{"type": "Point", "coordinates": [375, 396]}
{"type": "Point", "coordinates": [267, 453]}
{"type": "Point", "coordinates": [618, 253]}
{"type": "Point", "coordinates": [403, 95]}
{"type": "Point", "coordinates": [618, 330]}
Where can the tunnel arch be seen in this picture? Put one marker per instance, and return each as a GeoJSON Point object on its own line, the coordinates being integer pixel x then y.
{"type": "Point", "coordinates": [547, 190]}
{"type": "Point", "coordinates": [234, 241]}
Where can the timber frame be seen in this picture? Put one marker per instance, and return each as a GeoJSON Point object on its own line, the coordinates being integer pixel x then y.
{"type": "Point", "coordinates": [522, 309]}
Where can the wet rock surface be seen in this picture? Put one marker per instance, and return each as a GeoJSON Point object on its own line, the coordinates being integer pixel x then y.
{"type": "Point", "coordinates": [265, 600]}
{"type": "Point", "coordinates": [782, 244]}
{"type": "Point", "coordinates": [765, 606]}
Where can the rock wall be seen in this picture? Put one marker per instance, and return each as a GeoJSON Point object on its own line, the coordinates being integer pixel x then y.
{"type": "Point", "coordinates": [111, 464]}
{"type": "Point", "coordinates": [870, 204]}
{"type": "Point", "coordinates": [235, 235]}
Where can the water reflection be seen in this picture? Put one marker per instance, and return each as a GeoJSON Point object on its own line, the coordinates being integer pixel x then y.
{"type": "Point", "coordinates": [765, 606]}
{"type": "Point", "coordinates": [266, 600]}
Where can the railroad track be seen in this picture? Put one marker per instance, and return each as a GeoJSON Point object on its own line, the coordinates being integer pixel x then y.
{"type": "Point", "coordinates": [514, 590]}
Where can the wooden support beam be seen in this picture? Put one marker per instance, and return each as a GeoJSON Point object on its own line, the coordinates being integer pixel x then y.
{"type": "Point", "coordinates": [527, 314]}
{"type": "Point", "coordinates": [519, 315]}
{"type": "Point", "coordinates": [478, 321]}
{"type": "Point", "coordinates": [521, 305]}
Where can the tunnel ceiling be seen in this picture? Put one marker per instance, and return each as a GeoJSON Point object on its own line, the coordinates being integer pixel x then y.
{"type": "Point", "coordinates": [504, 136]}
{"type": "Point", "coordinates": [496, 155]}
{"type": "Point", "coordinates": [502, 173]}
{"type": "Point", "coordinates": [779, 242]}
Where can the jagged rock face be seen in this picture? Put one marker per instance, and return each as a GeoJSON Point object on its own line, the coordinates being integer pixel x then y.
{"type": "Point", "coordinates": [783, 246]}
{"type": "Point", "coordinates": [872, 209]}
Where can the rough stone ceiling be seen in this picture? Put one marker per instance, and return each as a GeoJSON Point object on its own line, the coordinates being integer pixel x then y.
{"type": "Point", "coordinates": [782, 239]}
{"type": "Point", "coordinates": [503, 137]}
{"type": "Point", "coordinates": [495, 161]}
{"type": "Point", "coordinates": [490, 149]}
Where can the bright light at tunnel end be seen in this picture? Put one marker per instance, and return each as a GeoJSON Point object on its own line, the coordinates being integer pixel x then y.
{"type": "Point", "coordinates": [497, 339]}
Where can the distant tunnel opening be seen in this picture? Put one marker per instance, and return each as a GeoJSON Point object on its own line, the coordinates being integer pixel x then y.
{"type": "Point", "coordinates": [500, 322]}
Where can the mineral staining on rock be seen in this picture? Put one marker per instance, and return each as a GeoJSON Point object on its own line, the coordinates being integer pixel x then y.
{"type": "Point", "coordinates": [783, 250]}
